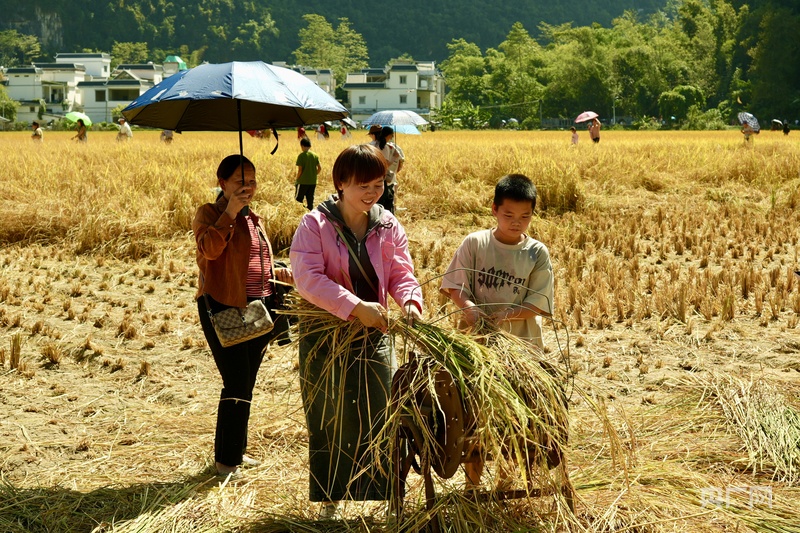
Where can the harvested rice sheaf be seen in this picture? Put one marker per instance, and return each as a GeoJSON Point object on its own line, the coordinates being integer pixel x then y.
{"type": "Point", "coordinates": [511, 405]}
{"type": "Point", "coordinates": [767, 425]}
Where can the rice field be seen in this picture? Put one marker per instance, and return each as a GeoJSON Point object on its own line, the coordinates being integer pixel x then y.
{"type": "Point", "coordinates": [676, 304]}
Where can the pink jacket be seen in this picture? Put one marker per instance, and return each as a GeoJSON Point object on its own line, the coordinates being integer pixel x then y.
{"type": "Point", "coordinates": [320, 264]}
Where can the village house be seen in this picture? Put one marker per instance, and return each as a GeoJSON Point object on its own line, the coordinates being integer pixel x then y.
{"type": "Point", "coordinates": [127, 82]}
{"type": "Point", "coordinates": [415, 86]}
{"type": "Point", "coordinates": [51, 88]}
{"type": "Point", "coordinates": [321, 76]}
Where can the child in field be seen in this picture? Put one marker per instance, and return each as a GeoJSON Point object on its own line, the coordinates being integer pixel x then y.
{"type": "Point", "coordinates": [308, 168]}
{"type": "Point", "coordinates": [38, 134]}
{"type": "Point", "coordinates": [747, 131]}
{"type": "Point", "coordinates": [502, 274]}
{"type": "Point", "coordinates": [574, 135]}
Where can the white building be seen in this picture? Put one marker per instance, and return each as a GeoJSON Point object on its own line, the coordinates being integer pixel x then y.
{"type": "Point", "coordinates": [417, 87]}
{"type": "Point", "coordinates": [97, 65]}
{"type": "Point", "coordinates": [321, 76]}
{"type": "Point", "coordinates": [101, 97]}
{"type": "Point", "coordinates": [53, 84]}
{"type": "Point", "coordinates": [147, 71]}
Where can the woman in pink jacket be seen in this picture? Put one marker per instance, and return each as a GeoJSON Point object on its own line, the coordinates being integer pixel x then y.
{"type": "Point", "coordinates": [348, 256]}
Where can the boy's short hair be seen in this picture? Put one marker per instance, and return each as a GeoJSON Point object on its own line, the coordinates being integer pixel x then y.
{"type": "Point", "coordinates": [305, 142]}
{"type": "Point", "coordinates": [515, 187]}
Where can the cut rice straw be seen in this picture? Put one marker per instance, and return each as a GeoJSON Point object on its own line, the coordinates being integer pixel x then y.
{"type": "Point", "coordinates": [515, 394]}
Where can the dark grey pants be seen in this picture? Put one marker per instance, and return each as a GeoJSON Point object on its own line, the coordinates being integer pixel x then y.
{"type": "Point", "coordinates": [345, 395]}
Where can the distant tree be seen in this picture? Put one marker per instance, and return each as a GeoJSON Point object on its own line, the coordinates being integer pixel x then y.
{"type": "Point", "coordinates": [8, 107]}
{"type": "Point", "coordinates": [674, 105]}
{"type": "Point", "coordinates": [464, 71]}
{"type": "Point", "coordinates": [193, 58]}
{"type": "Point", "coordinates": [775, 73]}
{"type": "Point", "coordinates": [128, 53]}
{"type": "Point", "coordinates": [460, 114]}
{"type": "Point", "coordinates": [252, 37]}
{"type": "Point", "coordinates": [578, 75]}
{"type": "Point", "coordinates": [18, 49]}
{"type": "Point", "coordinates": [404, 58]}
{"type": "Point", "coordinates": [342, 49]}
{"type": "Point", "coordinates": [515, 72]}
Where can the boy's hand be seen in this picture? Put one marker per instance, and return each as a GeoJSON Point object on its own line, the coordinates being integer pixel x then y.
{"type": "Point", "coordinates": [472, 315]}
{"type": "Point", "coordinates": [499, 317]}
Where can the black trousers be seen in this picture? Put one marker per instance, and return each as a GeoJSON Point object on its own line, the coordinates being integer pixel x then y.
{"type": "Point", "coordinates": [387, 198]}
{"type": "Point", "coordinates": [305, 192]}
{"type": "Point", "coordinates": [238, 365]}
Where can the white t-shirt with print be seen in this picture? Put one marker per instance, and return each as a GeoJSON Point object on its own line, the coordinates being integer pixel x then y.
{"type": "Point", "coordinates": [498, 275]}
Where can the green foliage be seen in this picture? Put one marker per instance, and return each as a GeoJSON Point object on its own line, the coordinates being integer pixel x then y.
{"type": "Point", "coordinates": [677, 102]}
{"type": "Point", "coordinates": [775, 73]}
{"type": "Point", "coordinates": [342, 49]}
{"type": "Point", "coordinates": [672, 104]}
{"type": "Point", "coordinates": [17, 49]}
{"type": "Point", "coordinates": [458, 114]}
{"type": "Point", "coordinates": [116, 113]}
{"type": "Point", "coordinates": [464, 71]}
{"type": "Point", "coordinates": [697, 119]}
{"type": "Point", "coordinates": [404, 58]}
{"type": "Point", "coordinates": [128, 53]}
{"type": "Point", "coordinates": [646, 123]}
{"type": "Point", "coordinates": [8, 107]}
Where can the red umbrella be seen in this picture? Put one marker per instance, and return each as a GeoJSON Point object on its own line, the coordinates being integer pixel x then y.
{"type": "Point", "coordinates": [586, 116]}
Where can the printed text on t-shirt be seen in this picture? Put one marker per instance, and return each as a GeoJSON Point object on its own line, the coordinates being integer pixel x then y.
{"type": "Point", "coordinates": [497, 279]}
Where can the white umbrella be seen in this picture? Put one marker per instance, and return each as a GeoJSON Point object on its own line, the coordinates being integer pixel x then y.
{"type": "Point", "coordinates": [390, 118]}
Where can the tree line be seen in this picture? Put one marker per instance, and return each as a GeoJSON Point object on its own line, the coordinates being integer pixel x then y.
{"type": "Point", "coordinates": [694, 64]}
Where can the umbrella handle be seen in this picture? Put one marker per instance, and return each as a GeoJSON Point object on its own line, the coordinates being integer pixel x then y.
{"type": "Point", "coordinates": [246, 209]}
{"type": "Point", "coordinates": [275, 133]}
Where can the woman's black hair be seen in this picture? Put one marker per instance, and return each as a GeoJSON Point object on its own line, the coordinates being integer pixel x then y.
{"type": "Point", "coordinates": [381, 136]}
{"type": "Point", "coordinates": [228, 166]}
{"type": "Point", "coordinates": [361, 162]}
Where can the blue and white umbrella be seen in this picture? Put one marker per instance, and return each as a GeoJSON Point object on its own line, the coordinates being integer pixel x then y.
{"type": "Point", "coordinates": [745, 117]}
{"type": "Point", "coordinates": [393, 118]}
{"type": "Point", "coordinates": [236, 96]}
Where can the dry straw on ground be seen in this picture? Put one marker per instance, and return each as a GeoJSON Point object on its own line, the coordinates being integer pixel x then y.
{"type": "Point", "coordinates": [673, 254]}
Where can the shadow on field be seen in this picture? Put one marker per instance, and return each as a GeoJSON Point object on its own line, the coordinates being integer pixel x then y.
{"type": "Point", "coordinates": [286, 524]}
{"type": "Point", "coordinates": [60, 509]}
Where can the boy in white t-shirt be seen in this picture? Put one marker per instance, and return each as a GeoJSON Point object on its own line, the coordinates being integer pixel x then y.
{"type": "Point", "coordinates": [502, 274]}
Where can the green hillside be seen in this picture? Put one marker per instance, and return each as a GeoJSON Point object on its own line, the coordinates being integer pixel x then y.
{"type": "Point", "coordinates": [241, 30]}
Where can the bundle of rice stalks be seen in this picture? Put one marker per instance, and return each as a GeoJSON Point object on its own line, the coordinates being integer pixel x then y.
{"type": "Point", "coordinates": [514, 402]}
{"type": "Point", "coordinates": [767, 425]}
{"type": "Point", "coordinates": [494, 397]}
